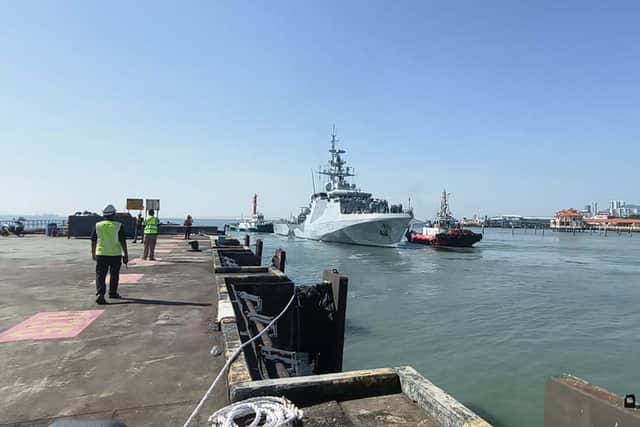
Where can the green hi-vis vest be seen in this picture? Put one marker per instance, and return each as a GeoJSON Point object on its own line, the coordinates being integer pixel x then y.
{"type": "Point", "coordinates": [151, 225]}
{"type": "Point", "coordinates": [108, 243]}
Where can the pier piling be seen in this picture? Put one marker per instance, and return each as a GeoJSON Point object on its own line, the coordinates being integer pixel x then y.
{"type": "Point", "coordinates": [339, 286]}
{"type": "Point", "coordinates": [279, 259]}
{"type": "Point", "coordinates": [259, 249]}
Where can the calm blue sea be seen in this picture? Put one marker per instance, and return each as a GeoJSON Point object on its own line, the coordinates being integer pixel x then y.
{"type": "Point", "coordinates": [490, 324]}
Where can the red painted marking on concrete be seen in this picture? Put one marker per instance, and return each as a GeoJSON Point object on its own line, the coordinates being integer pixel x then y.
{"type": "Point", "coordinates": [130, 278]}
{"type": "Point", "coordinates": [50, 325]}
{"type": "Point", "coordinates": [140, 261]}
{"type": "Point", "coordinates": [125, 278]}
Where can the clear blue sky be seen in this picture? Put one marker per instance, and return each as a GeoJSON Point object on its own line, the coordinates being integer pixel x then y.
{"type": "Point", "coordinates": [513, 106]}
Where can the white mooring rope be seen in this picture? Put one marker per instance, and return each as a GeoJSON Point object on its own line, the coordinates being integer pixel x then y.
{"type": "Point", "coordinates": [233, 357]}
{"type": "Point", "coordinates": [268, 412]}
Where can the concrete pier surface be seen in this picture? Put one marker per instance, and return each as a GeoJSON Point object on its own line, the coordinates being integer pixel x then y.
{"type": "Point", "coordinates": [144, 359]}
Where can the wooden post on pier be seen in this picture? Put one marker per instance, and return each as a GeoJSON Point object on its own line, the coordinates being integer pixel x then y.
{"type": "Point", "coordinates": [247, 240]}
{"type": "Point", "coordinates": [339, 286]}
{"type": "Point", "coordinates": [279, 259]}
{"type": "Point", "coordinates": [259, 249]}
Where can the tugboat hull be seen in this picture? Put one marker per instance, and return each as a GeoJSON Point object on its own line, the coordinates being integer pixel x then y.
{"type": "Point", "coordinates": [455, 239]}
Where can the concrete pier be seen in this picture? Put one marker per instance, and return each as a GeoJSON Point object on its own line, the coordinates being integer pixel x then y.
{"type": "Point", "coordinates": [144, 359]}
{"type": "Point", "coordinates": [573, 402]}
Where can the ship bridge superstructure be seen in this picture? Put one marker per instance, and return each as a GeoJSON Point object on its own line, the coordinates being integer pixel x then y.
{"type": "Point", "coordinates": [352, 200]}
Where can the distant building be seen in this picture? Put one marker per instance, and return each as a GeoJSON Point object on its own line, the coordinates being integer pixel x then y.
{"type": "Point", "coordinates": [630, 210]}
{"type": "Point", "coordinates": [586, 212]}
{"type": "Point", "coordinates": [621, 209]}
{"type": "Point", "coordinates": [573, 220]}
{"type": "Point", "coordinates": [472, 222]}
{"type": "Point", "coordinates": [616, 208]}
{"type": "Point", "coordinates": [568, 220]}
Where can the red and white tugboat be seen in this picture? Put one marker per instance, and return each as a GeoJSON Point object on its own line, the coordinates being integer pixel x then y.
{"type": "Point", "coordinates": [444, 231]}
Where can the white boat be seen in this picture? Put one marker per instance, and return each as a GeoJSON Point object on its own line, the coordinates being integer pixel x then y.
{"type": "Point", "coordinates": [256, 223]}
{"type": "Point", "coordinates": [345, 214]}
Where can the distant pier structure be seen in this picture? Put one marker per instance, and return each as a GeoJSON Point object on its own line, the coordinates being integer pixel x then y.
{"type": "Point", "coordinates": [517, 221]}
{"type": "Point", "coordinates": [573, 220]}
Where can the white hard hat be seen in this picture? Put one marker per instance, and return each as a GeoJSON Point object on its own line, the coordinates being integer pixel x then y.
{"type": "Point", "coordinates": [109, 210]}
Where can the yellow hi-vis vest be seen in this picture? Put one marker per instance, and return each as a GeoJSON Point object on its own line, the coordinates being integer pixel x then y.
{"type": "Point", "coordinates": [108, 243]}
{"type": "Point", "coordinates": [151, 225]}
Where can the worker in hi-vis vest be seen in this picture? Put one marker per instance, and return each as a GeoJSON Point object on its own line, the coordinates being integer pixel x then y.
{"type": "Point", "coordinates": [151, 224]}
{"type": "Point", "coordinates": [109, 250]}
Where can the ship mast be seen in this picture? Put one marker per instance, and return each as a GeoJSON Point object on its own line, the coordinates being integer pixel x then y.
{"type": "Point", "coordinates": [444, 206]}
{"type": "Point", "coordinates": [337, 171]}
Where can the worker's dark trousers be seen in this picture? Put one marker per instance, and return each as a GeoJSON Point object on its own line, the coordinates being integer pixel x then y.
{"type": "Point", "coordinates": [138, 231]}
{"type": "Point", "coordinates": [106, 264]}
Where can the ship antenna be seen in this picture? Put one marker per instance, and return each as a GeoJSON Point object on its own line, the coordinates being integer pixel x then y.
{"type": "Point", "coordinates": [333, 138]}
{"type": "Point", "coordinates": [313, 181]}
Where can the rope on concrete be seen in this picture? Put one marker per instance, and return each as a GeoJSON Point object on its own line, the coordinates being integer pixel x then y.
{"type": "Point", "coordinates": [268, 412]}
{"type": "Point", "coordinates": [233, 357]}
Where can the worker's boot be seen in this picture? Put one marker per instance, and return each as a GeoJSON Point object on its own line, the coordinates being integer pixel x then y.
{"type": "Point", "coordinates": [100, 300]}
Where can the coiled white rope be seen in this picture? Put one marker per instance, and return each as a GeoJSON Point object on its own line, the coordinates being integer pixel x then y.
{"type": "Point", "coordinates": [233, 357]}
{"type": "Point", "coordinates": [268, 412]}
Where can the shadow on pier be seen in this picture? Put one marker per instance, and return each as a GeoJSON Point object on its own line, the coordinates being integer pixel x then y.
{"type": "Point", "coordinates": [128, 300]}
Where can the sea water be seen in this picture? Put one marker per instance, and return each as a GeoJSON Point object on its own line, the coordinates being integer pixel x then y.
{"type": "Point", "coordinates": [489, 324]}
